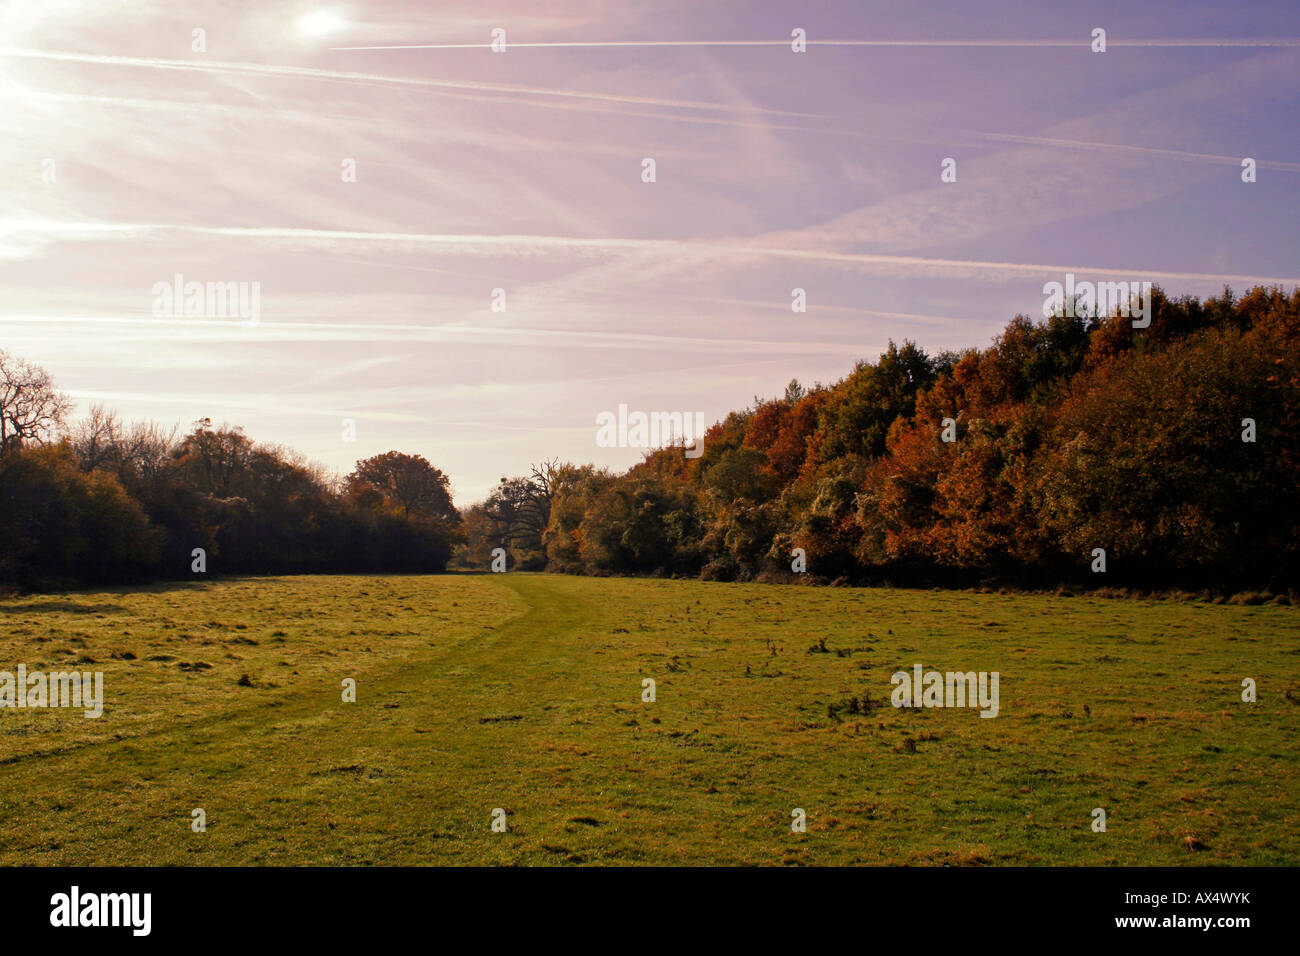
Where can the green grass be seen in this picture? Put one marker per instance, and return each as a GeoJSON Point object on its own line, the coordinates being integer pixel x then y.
{"type": "Point", "coordinates": [524, 692]}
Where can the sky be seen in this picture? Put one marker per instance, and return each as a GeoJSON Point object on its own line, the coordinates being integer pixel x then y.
{"type": "Point", "coordinates": [128, 156]}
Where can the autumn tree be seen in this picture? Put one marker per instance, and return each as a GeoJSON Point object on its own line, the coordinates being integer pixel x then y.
{"type": "Point", "coordinates": [408, 484]}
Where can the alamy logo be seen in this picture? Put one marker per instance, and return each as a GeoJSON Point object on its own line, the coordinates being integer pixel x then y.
{"type": "Point", "coordinates": [953, 689]}
{"type": "Point", "coordinates": [651, 430]}
{"type": "Point", "coordinates": [208, 300]}
{"type": "Point", "coordinates": [84, 689]}
{"type": "Point", "coordinates": [103, 909]}
{"type": "Point", "coordinates": [1132, 299]}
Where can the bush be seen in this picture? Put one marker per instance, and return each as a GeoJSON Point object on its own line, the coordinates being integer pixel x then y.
{"type": "Point", "coordinates": [60, 527]}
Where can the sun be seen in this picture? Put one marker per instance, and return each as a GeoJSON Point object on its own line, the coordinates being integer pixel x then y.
{"type": "Point", "coordinates": [320, 23]}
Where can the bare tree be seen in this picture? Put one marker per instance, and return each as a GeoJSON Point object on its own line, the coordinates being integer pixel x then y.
{"type": "Point", "coordinates": [520, 508]}
{"type": "Point", "coordinates": [137, 453]}
{"type": "Point", "coordinates": [146, 448]}
{"type": "Point", "coordinates": [97, 439]}
{"type": "Point", "coordinates": [31, 410]}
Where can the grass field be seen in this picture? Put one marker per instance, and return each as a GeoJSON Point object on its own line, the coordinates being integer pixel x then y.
{"type": "Point", "coordinates": [524, 692]}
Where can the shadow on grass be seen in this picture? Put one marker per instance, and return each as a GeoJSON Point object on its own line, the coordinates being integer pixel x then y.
{"type": "Point", "coordinates": [38, 604]}
{"type": "Point", "coordinates": [61, 606]}
{"type": "Point", "coordinates": [49, 599]}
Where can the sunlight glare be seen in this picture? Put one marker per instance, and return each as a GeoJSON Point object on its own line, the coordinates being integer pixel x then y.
{"type": "Point", "coordinates": [320, 23]}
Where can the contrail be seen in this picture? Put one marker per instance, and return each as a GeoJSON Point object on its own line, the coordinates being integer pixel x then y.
{"type": "Point", "coordinates": [270, 70]}
{"type": "Point", "coordinates": [1021, 268]}
{"type": "Point", "coordinates": [1084, 42]}
{"type": "Point", "coordinates": [1126, 148]}
{"type": "Point", "coordinates": [524, 245]}
{"type": "Point", "coordinates": [262, 69]}
{"type": "Point", "coordinates": [317, 331]}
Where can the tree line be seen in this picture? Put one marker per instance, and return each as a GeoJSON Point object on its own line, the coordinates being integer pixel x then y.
{"type": "Point", "coordinates": [1165, 456]}
{"type": "Point", "coordinates": [1168, 451]}
{"type": "Point", "coordinates": [105, 501]}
